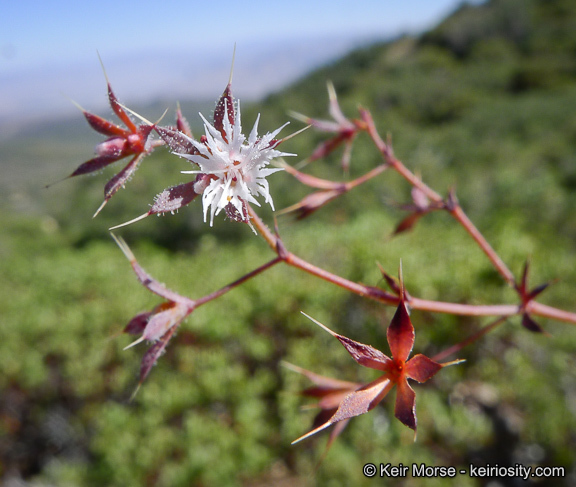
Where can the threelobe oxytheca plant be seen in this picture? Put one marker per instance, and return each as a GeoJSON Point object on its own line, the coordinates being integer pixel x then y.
{"type": "Point", "coordinates": [231, 173]}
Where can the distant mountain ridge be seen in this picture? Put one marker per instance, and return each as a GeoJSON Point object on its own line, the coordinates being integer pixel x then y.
{"type": "Point", "coordinates": [40, 94]}
{"type": "Point", "coordinates": [497, 48]}
{"type": "Point", "coordinates": [489, 91]}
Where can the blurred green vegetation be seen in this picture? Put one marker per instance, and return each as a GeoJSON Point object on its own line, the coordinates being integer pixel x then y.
{"type": "Point", "coordinates": [484, 103]}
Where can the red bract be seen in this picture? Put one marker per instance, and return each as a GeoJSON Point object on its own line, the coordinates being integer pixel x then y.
{"type": "Point", "coordinates": [330, 393]}
{"type": "Point", "coordinates": [169, 200]}
{"type": "Point", "coordinates": [397, 370]}
{"type": "Point", "coordinates": [154, 324]}
{"type": "Point", "coordinates": [159, 324]}
{"type": "Point", "coordinates": [313, 202]}
{"type": "Point", "coordinates": [345, 130]}
{"type": "Point", "coordinates": [419, 207]}
{"type": "Point", "coordinates": [172, 199]}
{"type": "Point", "coordinates": [122, 142]}
{"type": "Point", "coordinates": [182, 124]}
{"type": "Point", "coordinates": [329, 190]}
{"type": "Point", "coordinates": [393, 284]}
{"type": "Point", "coordinates": [527, 295]}
{"type": "Point", "coordinates": [179, 138]}
{"type": "Point", "coordinates": [225, 109]}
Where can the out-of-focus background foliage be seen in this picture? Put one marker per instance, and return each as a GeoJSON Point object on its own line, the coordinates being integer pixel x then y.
{"type": "Point", "coordinates": [486, 103]}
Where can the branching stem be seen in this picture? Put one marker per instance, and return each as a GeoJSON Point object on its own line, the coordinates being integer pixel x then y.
{"type": "Point", "coordinates": [452, 206]}
{"type": "Point", "coordinates": [238, 282]}
{"type": "Point", "coordinates": [377, 294]}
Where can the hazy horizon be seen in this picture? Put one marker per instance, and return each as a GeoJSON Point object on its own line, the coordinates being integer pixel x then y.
{"type": "Point", "coordinates": [182, 50]}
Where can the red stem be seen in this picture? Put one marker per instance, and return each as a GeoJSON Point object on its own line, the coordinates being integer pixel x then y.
{"type": "Point", "coordinates": [229, 287]}
{"type": "Point", "coordinates": [386, 151]}
{"type": "Point", "coordinates": [456, 210]}
{"type": "Point", "coordinates": [378, 294]}
{"type": "Point", "coordinates": [540, 309]}
{"type": "Point", "coordinates": [464, 309]}
{"type": "Point", "coordinates": [382, 296]}
{"type": "Point", "coordinates": [369, 175]}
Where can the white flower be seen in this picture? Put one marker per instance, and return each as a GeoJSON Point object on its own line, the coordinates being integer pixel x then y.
{"type": "Point", "coordinates": [236, 166]}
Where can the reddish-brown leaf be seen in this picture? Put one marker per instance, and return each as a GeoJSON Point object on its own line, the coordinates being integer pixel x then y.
{"type": "Point", "coordinates": [148, 281]}
{"type": "Point", "coordinates": [174, 198]}
{"type": "Point", "coordinates": [113, 147]}
{"type": "Point", "coordinates": [331, 399]}
{"type": "Point", "coordinates": [165, 316]}
{"type": "Point", "coordinates": [312, 181]}
{"type": "Point", "coordinates": [156, 287]}
{"type": "Point", "coordinates": [154, 353]}
{"type": "Point", "coordinates": [138, 323]}
{"type": "Point", "coordinates": [362, 400]}
{"type": "Point", "coordinates": [530, 324]}
{"type": "Point", "coordinates": [401, 334]}
{"type": "Point", "coordinates": [176, 140]}
{"type": "Point", "coordinates": [95, 164]}
{"type": "Point", "coordinates": [224, 107]}
{"type": "Point", "coordinates": [331, 393]}
{"type": "Point", "coordinates": [365, 354]}
{"type": "Point", "coordinates": [323, 383]}
{"type": "Point", "coordinates": [524, 281]}
{"type": "Point", "coordinates": [323, 417]}
{"type": "Point", "coordinates": [103, 126]}
{"type": "Point", "coordinates": [404, 409]}
{"type": "Point", "coordinates": [338, 428]}
{"type": "Point", "coordinates": [120, 179]}
{"type": "Point", "coordinates": [356, 403]}
{"type": "Point", "coordinates": [312, 202]}
{"type": "Point", "coordinates": [327, 147]}
{"type": "Point", "coordinates": [408, 222]}
{"type": "Point", "coordinates": [182, 124]}
{"type": "Point", "coordinates": [119, 111]}
{"type": "Point", "coordinates": [421, 368]}
{"type": "Point", "coordinates": [392, 283]}
{"type": "Point", "coordinates": [537, 290]}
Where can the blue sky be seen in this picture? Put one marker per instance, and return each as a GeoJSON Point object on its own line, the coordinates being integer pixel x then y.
{"type": "Point", "coordinates": [49, 48]}
{"type": "Point", "coordinates": [33, 32]}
